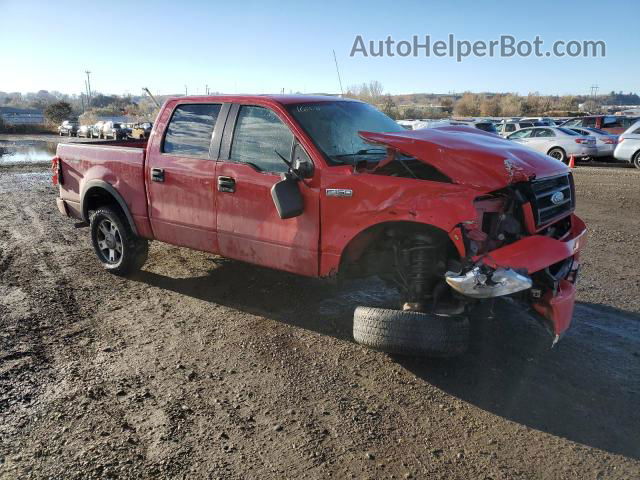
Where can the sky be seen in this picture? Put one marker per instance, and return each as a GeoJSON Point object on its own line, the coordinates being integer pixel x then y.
{"type": "Point", "coordinates": [266, 46]}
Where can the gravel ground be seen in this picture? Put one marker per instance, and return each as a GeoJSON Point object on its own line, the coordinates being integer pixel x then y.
{"type": "Point", "coordinates": [201, 367]}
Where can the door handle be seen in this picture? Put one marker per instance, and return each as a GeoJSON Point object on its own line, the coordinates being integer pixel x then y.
{"type": "Point", "coordinates": [226, 184]}
{"type": "Point", "coordinates": [157, 174]}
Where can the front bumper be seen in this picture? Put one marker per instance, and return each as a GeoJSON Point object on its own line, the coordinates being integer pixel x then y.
{"type": "Point", "coordinates": [534, 256]}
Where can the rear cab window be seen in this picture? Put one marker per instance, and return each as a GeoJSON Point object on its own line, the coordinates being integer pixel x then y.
{"type": "Point", "coordinates": [190, 130]}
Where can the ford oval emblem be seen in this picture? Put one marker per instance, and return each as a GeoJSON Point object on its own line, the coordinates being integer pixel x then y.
{"type": "Point", "coordinates": [557, 197]}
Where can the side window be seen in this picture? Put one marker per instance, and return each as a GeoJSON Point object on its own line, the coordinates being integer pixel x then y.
{"type": "Point", "coordinates": [520, 134]}
{"type": "Point", "coordinates": [544, 132]}
{"type": "Point", "coordinates": [259, 133]}
{"type": "Point", "coordinates": [573, 123]}
{"type": "Point", "coordinates": [589, 122]}
{"type": "Point", "coordinates": [190, 128]}
{"type": "Point", "coordinates": [509, 127]}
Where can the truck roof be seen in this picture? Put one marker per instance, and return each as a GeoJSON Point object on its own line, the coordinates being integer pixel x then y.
{"type": "Point", "coordinates": [267, 98]}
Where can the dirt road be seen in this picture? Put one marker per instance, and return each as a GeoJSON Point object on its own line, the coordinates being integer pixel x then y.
{"type": "Point", "coordinates": [202, 367]}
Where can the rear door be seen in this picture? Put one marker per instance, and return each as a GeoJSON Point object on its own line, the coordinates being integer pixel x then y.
{"type": "Point", "coordinates": [541, 139]}
{"type": "Point", "coordinates": [248, 224]}
{"type": "Point", "coordinates": [180, 172]}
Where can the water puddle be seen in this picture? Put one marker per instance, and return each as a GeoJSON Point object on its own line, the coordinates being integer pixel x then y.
{"type": "Point", "coordinates": [26, 151]}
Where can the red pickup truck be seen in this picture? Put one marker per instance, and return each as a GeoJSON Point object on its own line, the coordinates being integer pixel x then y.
{"type": "Point", "coordinates": [326, 187]}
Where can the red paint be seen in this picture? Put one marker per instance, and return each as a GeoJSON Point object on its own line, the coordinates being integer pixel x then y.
{"type": "Point", "coordinates": [537, 252]}
{"type": "Point", "coordinates": [188, 210]}
{"type": "Point", "coordinates": [470, 156]}
{"type": "Point", "coordinates": [558, 309]}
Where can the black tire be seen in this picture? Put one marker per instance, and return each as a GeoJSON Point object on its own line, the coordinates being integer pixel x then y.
{"type": "Point", "coordinates": [411, 333]}
{"type": "Point", "coordinates": [636, 159]}
{"type": "Point", "coordinates": [132, 252]}
{"type": "Point", "coordinates": [558, 154]}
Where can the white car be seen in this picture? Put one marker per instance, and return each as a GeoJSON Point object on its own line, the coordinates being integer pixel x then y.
{"type": "Point", "coordinates": [628, 148]}
{"type": "Point", "coordinates": [557, 142]}
{"type": "Point", "coordinates": [605, 142]}
{"type": "Point", "coordinates": [540, 121]}
{"type": "Point", "coordinates": [506, 128]}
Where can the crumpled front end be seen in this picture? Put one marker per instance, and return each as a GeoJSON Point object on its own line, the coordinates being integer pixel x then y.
{"type": "Point", "coordinates": [520, 238]}
{"type": "Point", "coordinates": [525, 243]}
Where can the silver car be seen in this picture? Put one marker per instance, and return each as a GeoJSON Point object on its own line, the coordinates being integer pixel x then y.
{"type": "Point", "coordinates": [605, 142]}
{"type": "Point", "coordinates": [628, 148]}
{"type": "Point", "coordinates": [506, 128]}
{"type": "Point", "coordinates": [557, 142]}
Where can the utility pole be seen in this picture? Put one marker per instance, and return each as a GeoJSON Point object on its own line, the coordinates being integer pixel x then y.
{"type": "Point", "coordinates": [88, 85]}
{"type": "Point", "coordinates": [206, 89]}
{"type": "Point", "coordinates": [594, 95]}
{"type": "Point", "coordinates": [86, 91]}
{"type": "Point", "coordinates": [185, 91]}
{"type": "Point", "coordinates": [338, 70]}
{"type": "Point", "coordinates": [151, 96]}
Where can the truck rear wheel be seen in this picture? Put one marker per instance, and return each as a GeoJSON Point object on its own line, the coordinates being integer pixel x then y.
{"type": "Point", "coordinates": [118, 249]}
{"type": "Point", "coordinates": [411, 333]}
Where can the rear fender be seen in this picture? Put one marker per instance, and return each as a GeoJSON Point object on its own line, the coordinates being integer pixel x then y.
{"type": "Point", "coordinates": [95, 186]}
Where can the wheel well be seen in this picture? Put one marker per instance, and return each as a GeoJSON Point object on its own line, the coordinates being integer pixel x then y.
{"type": "Point", "coordinates": [97, 197]}
{"type": "Point", "coordinates": [368, 252]}
{"type": "Point", "coordinates": [557, 148]}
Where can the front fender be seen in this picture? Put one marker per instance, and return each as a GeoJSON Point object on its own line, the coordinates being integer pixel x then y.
{"type": "Point", "coordinates": [376, 199]}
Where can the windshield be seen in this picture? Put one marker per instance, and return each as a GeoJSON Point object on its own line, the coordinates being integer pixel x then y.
{"type": "Point", "coordinates": [334, 127]}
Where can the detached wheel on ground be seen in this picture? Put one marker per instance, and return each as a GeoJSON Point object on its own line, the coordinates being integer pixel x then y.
{"type": "Point", "coordinates": [558, 154]}
{"type": "Point", "coordinates": [411, 333]}
{"type": "Point", "coordinates": [117, 248]}
{"type": "Point", "coordinates": [636, 159]}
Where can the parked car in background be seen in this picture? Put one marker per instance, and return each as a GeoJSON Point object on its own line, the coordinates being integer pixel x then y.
{"type": "Point", "coordinates": [540, 121]}
{"type": "Point", "coordinates": [141, 131]}
{"type": "Point", "coordinates": [69, 128]}
{"type": "Point", "coordinates": [114, 130]}
{"type": "Point", "coordinates": [96, 129]}
{"type": "Point", "coordinates": [84, 131]}
{"type": "Point", "coordinates": [483, 125]}
{"type": "Point", "coordinates": [628, 148]}
{"type": "Point", "coordinates": [615, 124]}
{"type": "Point", "coordinates": [605, 142]}
{"type": "Point", "coordinates": [557, 142]}
{"type": "Point", "coordinates": [507, 128]}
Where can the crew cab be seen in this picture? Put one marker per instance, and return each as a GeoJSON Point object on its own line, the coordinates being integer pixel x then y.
{"type": "Point", "coordinates": [451, 217]}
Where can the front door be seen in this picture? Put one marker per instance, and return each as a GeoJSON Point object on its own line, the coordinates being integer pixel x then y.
{"type": "Point", "coordinates": [181, 176]}
{"type": "Point", "coordinates": [248, 224]}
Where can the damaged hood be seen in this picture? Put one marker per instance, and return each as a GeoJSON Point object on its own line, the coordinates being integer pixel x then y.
{"type": "Point", "coordinates": [469, 156]}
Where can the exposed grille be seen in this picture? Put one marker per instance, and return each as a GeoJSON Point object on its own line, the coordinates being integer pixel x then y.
{"type": "Point", "coordinates": [553, 198]}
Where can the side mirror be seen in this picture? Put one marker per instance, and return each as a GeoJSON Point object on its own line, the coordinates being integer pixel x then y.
{"type": "Point", "coordinates": [287, 197]}
{"type": "Point", "coordinates": [301, 164]}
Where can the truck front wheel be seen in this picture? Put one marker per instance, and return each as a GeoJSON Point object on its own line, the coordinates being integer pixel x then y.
{"type": "Point", "coordinates": [118, 249]}
{"type": "Point", "coordinates": [411, 332]}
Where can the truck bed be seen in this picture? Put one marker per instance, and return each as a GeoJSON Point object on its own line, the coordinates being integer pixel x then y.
{"type": "Point", "coordinates": [118, 163]}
